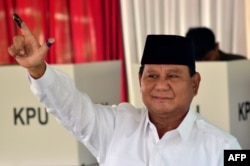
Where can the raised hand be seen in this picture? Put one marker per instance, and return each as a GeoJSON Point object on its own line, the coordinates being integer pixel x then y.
{"type": "Point", "coordinates": [28, 52]}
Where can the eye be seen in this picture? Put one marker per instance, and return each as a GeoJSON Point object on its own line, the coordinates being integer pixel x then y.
{"type": "Point", "coordinates": [153, 76]}
{"type": "Point", "coordinates": [173, 76]}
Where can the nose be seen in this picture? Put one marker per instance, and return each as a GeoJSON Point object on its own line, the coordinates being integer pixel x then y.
{"type": "Point", "coordinates": [162, 84]}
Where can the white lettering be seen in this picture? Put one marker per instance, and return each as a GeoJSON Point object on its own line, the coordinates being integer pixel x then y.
{"type": "Point", "coordinates": [237, 156]}
{"type": "Point", "coordinates": [243, 156]}
{"type": "Point", "coordinates": [231, 157]}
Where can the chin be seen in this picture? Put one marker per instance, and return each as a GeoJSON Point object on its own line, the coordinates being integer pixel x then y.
{"type": "Point", "coordinates": [161, 109]}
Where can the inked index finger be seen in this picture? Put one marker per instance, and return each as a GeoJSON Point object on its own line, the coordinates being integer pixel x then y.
{"type": "Point", "coordinates": [23, 27]}
{"type": "Point", "coordinates": [25, 30]}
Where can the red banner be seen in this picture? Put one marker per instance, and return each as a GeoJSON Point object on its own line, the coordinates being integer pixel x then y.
{"type": "Point", "coordinates": [85, 30]}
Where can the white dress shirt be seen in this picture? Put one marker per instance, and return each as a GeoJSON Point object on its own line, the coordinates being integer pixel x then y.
{"type": "Point", "coordinates": [123, 135]}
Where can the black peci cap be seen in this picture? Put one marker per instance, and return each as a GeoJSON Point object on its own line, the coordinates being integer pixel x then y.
{"type": "Point", "coordinates": [168, 49]}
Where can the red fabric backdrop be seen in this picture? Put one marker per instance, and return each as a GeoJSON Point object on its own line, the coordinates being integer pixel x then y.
{"type": "Point", "coordinates": [85, 30]}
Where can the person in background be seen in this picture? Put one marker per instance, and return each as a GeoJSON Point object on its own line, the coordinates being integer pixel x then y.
{"type": "Point", "coordinates": [206, 48]}
{"type": "Point", "coordinates": [167, 131]}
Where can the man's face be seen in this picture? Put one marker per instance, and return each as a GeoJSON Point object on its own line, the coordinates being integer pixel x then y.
{"type": "Point", "coordinates": [168, 89]}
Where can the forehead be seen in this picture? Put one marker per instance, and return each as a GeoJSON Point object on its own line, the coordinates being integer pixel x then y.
{"type": "Point", "coordinates": [165, 67]}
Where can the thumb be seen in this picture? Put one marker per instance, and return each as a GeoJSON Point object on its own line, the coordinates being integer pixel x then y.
{"type": "Point", "coordinates": [45, 47]}
{"type": "Point", "coordinates": [49, 42]}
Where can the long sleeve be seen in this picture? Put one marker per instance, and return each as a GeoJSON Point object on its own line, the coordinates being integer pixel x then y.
{"type": "Point", "coordinates": [91, 123]}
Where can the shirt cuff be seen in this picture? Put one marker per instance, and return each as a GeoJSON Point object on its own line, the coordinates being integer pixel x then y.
{"type": "Point", "coordinates": [41, 84]}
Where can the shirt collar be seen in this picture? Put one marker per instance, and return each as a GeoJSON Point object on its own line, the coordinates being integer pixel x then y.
{"type": "Point", "coordinates": [185, 128]}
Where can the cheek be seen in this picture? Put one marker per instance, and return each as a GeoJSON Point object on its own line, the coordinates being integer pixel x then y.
{"type": "Point", "coordinates": [143, 88]}
{"type": "Point", "coordinates": [146, 87]}
{"type": "Point", "coordinates": [183, 90]}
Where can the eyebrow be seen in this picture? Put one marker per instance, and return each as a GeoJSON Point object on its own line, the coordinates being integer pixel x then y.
{"type": "Point", "coordinates": [175, 70]}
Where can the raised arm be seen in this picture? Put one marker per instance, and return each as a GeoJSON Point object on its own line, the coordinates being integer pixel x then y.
{"type": "Point", "coordinates": [28, 52]}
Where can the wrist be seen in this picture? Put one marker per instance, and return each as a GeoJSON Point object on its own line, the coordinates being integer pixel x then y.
{"type": "Point", "coordinates": [38, 71]}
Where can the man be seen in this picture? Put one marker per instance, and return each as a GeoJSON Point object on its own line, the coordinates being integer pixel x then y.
{"type": "Point", "coordinates": [206, 49]}
{"type": "Point", "coordinates": [166, 132]}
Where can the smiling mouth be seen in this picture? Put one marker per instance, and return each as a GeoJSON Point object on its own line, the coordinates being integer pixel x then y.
{"type": "Point", "coordinates": [162, 98]}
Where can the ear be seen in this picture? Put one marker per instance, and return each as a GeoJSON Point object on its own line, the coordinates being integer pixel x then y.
{"type": "Point", "coordinates": [139, 78]}
{"type": "Point", "coordinates": [196, 82]}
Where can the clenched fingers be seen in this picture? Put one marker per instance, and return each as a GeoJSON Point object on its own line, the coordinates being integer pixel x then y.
{"type": "Point", "coordinates": [17, 48]}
